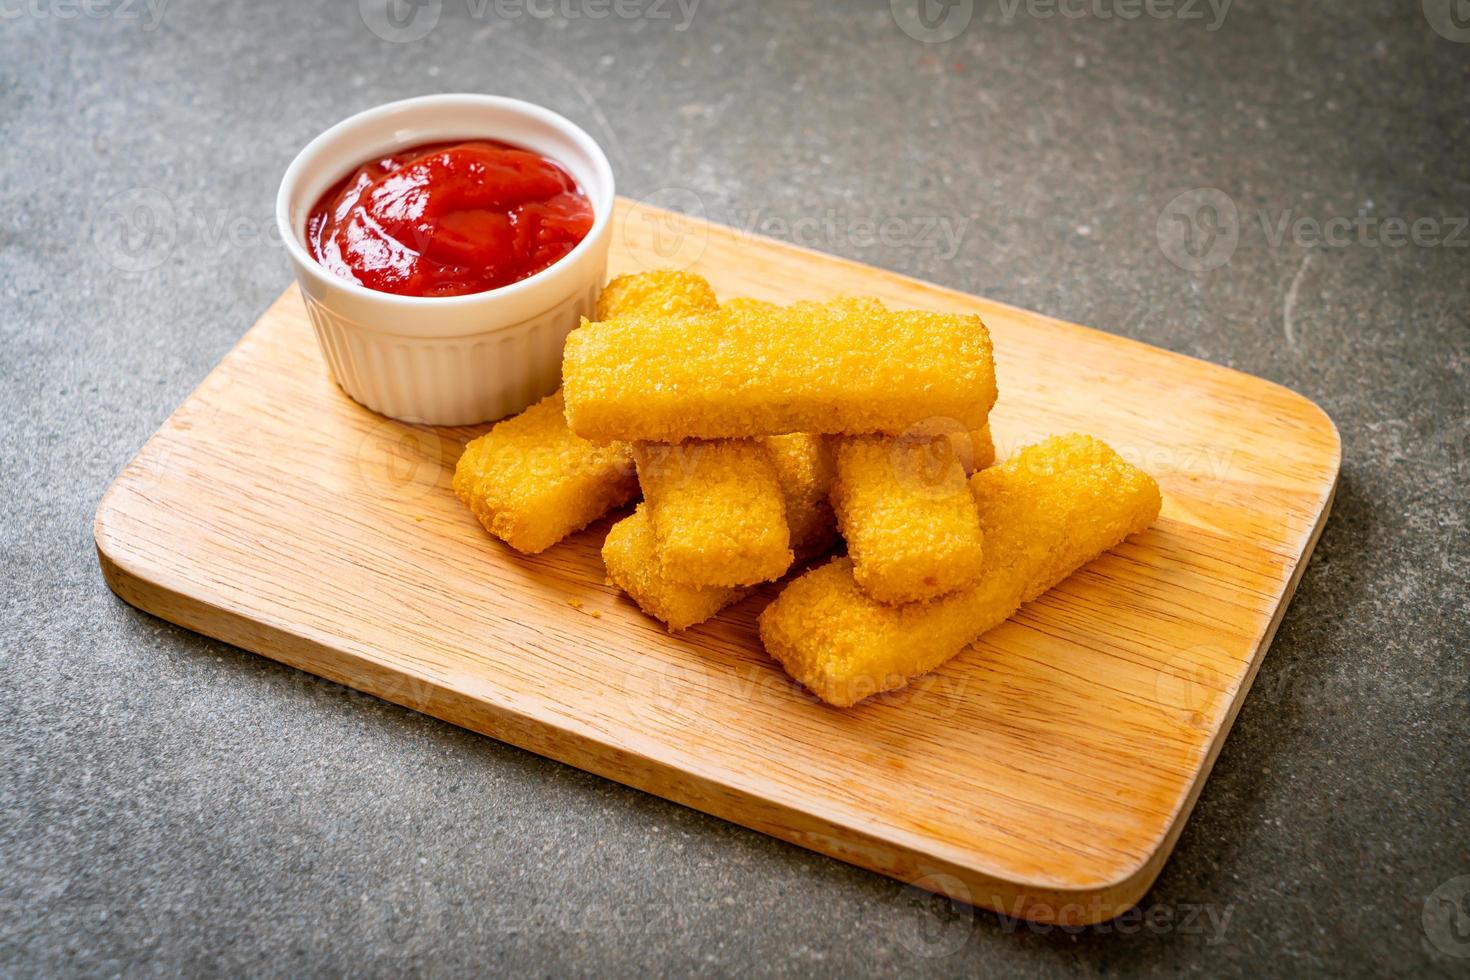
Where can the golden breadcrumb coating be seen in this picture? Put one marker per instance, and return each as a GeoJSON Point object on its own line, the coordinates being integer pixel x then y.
{"type": "Point", "coordinates": [905, 508]}
{"type": "Point", "coordinates": [717, 511]}
{"type": "Point", "coordinates": [746, 304]}
{"type": "Point", "coordinates": [848, 366]}
{"type": "Point", "coordinates": [974, 450]}
{"type": "Point", "coordinates": [660, 293]}
{"type": "Point", "coordinates": [982, 450]}
{"type": "Point", "coordinates": [805, 468]}
{"type": "Point", "coordinates": [633, 565]}
{"type": "Point", "coordinates": [531, 482]}
{"type": "Point", "coordinates": [1044, 513]}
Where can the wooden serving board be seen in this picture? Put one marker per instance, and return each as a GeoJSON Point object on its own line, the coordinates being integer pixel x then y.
{"type": "Point", "coordinates": [1045, 772]}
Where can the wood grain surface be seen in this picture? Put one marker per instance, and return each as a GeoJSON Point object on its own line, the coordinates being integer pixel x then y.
{"type": "Point", "coordinates": [1044, 773]}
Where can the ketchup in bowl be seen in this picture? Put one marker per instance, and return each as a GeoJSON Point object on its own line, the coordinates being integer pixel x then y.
{"type": "Point", "coordinates": [446, 219]}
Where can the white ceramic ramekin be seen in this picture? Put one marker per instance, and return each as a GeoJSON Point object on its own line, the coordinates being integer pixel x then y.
{"type": "Point", "coordinates": [447, 360]}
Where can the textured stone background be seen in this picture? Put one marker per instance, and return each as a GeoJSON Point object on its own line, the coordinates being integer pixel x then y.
{"type": "Point", "coordinates": [169, 803]}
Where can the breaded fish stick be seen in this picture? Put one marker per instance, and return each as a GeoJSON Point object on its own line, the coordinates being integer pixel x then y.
{"type": "Point", "coordinates": [804, 464]}
{"type": "Point", "coordinates": [905, 508]}
{"type": "Point", "coordinates": [717, 511]}
{"type": "Point", "coordinates": [659, 293]}
{"type": "Point", "coordinates": [529, 480]}
{"type": "Point", "coordinates": [982, 448]}
{"type": "Point", "coordinates": [1044, 513]}
{"type": "Point", "coordinates": [633, 565]}
{"type": "Point", "coordinates": [805, 468]}
{"type": "Point", "coordinates": [973, 450]}
{"type": "Point", "coordinates": [848, 366]}
{"type": "Point", "coordinates": [977, 450]}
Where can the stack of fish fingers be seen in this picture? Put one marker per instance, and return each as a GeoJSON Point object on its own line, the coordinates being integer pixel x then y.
{"type": "Point", "coordinates": [758, 435]}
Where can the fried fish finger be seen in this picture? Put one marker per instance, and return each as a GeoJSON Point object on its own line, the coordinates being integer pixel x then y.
{"type": "Point", "coordinates": [717, 511]}
{"type": "Point", "coordinates": [1044, 513]}
{"type": "Point", "coordinates": [531, 482]}
{"type": "Point", "coordinates": [977, 451]}
{"type": "Point", "coordinates": [660, 293]}
{"type": "Point", "coordinates": [847, 366]}
{"type": "Point", "coordinates": [904, 505]}
{"type": "Point", "coordinates": [804, 466]}
{"type": "Point", "coordinates": [630, 553]}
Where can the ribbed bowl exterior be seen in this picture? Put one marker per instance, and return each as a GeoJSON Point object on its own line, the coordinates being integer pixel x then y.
{"type": "Point", "coordinates": [456, 380]}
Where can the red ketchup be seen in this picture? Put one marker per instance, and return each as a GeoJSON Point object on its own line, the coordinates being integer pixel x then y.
{"type": "Point", "coordinates": [447, 219]}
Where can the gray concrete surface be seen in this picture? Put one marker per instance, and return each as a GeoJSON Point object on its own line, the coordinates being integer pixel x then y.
{"type": "Point", "coordinates": [169, 804]}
